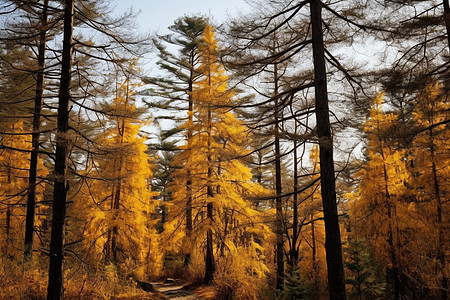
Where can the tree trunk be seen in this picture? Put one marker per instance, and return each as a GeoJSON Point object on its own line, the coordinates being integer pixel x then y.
{"type": "Point", "coordinates": [333, 248]}
{"type": "Point", "coordinates": [31, 203]}
{"type": "Point", "coordinates": [187, 258]}
{"type": "Point", "coordinates": [115, 205]}
{"type": "Point", "coordinates": [295, 229]}
{"type": "Point", "coordinates": [210, 263]}
{"type": "Point", "coordinates": [278, 189]}
{"type": "Point", "coordinates": [55, 277]}
{"type": "Point", "coordinates": [394, 270]}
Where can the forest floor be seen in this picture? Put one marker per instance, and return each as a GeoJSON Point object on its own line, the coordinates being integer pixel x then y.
{"type": "Point", "coordinates": [176, 291]}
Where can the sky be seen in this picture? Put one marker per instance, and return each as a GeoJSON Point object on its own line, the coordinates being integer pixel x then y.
{"type": "Point", "coordinates": [157, 15]}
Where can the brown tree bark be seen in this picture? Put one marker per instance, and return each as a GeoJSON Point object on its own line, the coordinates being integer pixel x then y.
{"type": "Point", "coordinates": [333, 247]}
{"type": "Point", "coordinates": [31, 201]}
{"type": "Point", "coordinates": [278, 189]}
{"type": "Point", "coordinates": [210, 262]}
{"type": "Point", "coordinates": [55, 277]}
{"type": "Point", "coordinates": [295, 229]}
{"type": "Point", "coordinates": [210, 265]}
{"type": "Point", "coordinates": [187, 258]}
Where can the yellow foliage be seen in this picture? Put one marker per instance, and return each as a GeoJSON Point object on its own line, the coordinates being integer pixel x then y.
{"type": "Point", "coordinates": [117, 198]}
{"type": "Point", "coordinates": [399, 207]}
{"type": "Point", "coordinates": [14, 172]}
{"type": "Point", "coordinates": [210, 162]}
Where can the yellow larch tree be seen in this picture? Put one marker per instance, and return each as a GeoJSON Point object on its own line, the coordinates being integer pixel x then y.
{"type": "Point", "coordinates": [430, 184]}
{"type": "Point", "coordinates": [117, 197]}
{"type": "Point", "coordinates": [379, 211]}
{"type": "Point", "coordinates": [224, 222]}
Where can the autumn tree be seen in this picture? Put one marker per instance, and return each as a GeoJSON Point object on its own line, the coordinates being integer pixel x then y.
{"type": "Point", "coordinates": [382, 191]}
{"type": "Point", "coordinates": [222, 218]}
{"type": "Point", "coordinates": [429, 184]}
{"type": "Point", "coordinates": [117, 194]}
{"type": "Point", "coordinates": [418, 32]}
{"type": "Point", "coordinates": [267, 60]}
{"type": "Point", "coordinates": [106, 49]}
{"type": "Point", "coordinates": [176, 93]}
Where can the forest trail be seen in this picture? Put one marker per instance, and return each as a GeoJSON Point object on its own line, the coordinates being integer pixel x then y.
{"type": "Point", "coordinates": [174, 291]}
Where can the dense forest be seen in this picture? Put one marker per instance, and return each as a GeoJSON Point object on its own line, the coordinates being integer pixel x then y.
{"type": "Point", "coordinates": [298, 151]}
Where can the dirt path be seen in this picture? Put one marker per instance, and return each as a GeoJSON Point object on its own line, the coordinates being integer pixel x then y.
{"type": "Point", "coordinates": [174, 291]}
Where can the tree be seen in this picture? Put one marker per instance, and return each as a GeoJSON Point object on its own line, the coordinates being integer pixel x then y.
{"type": "Point", "coordinates": [302, 31]}
{"type": "Point", "coordinates": [28, 32]}
{"type": "Point", "coordinates": [32, 178]}
{"type": "Point", "coordinates": [429, 184]}
{"type": "Point", "coordinates": [419, 32]}
{"type": "Point", "coordinates": [109, 50]}
{"type": "Point", "coordinates": [311, 246]}
{"type": "Point", "coordinates": [182, 67]}
{"type": "Point", "coordinates": [265, 57]}
{"type": "Point", "coordinates": [220, 181]}
{"type": "Point", "coordinates": [362, 272]}
{"type": "Point", "coordinates": [62, 142]}
{"type": "Point", "coordinates": [117, 197]}
{"type": "Point", "coordinates": [381, 191]}
{"type": "Point", "coordinates": [333, 246]}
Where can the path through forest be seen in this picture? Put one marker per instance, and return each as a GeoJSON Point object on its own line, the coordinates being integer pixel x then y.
{"type": "Point", "coordinates": [174, 291]}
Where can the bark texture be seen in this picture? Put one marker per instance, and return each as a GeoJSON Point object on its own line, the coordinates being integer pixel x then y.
{"type": "Point", "coordinates": [333, 247]}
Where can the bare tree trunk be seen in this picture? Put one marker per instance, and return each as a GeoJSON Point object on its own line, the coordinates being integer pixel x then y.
{"type": "Point", "coordinates": [187, 258]}
{"type": "Point", "coordinates": [115, 230]}
{"type": "Point", "coordinates": [278, 189]}
{"type": "Point", "coordinates": [210, 263]}
{"type": "Point", "coordinates": [55, 278]}
{"type": "Point", "coordinates": [31, 203]}
{"type": "Point", "coordinates": [333, 248]}
{"type": "Point", "coordinates": [295, 229]}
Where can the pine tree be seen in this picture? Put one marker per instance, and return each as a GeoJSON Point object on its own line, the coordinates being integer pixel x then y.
{"type": "Point", "coordinates": [174, 94]}
{"type": "Point", "coordinates": [362, 275]}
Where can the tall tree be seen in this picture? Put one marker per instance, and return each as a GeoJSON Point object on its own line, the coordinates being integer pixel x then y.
{"type": "Point", "coordinates": [55, 280]}
{"type": "Point", "coordinates": [429, 181]}
{"type": "Point", "coordinates": [220, 179]}
{"type": "Point", "coordinates": [117, 197]}
{"type": "Point", "coordinates": [380, 191]}
{"type": "Point", "coordinates": [184, 68]}
{"type": "Point", "coordinates": [303, 31]}
{"type": "Point", "coordinates": [333, 247]}
{"type": "Point", "coordinates": [39, 92]}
